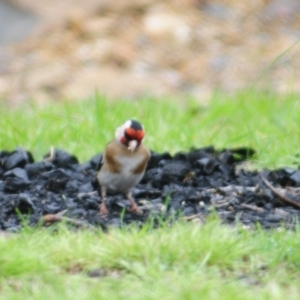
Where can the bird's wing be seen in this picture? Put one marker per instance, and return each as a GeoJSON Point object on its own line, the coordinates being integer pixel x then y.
{"type": "Point", "coordinates": [101, 159]}
{"type": "Point", "coordinates": [100, 163]}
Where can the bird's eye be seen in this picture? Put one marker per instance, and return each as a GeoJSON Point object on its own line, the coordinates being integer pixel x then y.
{"type": "Point", "coordinates": [127, 136]}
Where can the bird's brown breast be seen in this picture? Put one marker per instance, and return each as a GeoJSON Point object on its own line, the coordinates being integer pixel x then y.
{"type": "Point", "coordinates": [111, 163]}
{"type": "Point", "coordinates": [141, 167]}
{"type": "Point", "coordinates": [117, 157]}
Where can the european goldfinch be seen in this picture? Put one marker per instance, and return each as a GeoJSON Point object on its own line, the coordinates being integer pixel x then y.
{"type": "Point", "coordinates": [124, 162]}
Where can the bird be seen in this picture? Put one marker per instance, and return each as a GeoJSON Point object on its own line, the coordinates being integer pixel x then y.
{"type": "Point", "coordinates": [123, 163]}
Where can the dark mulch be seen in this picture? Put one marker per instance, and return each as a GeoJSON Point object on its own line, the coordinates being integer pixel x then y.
{"type": "Point", "coordinates": [189, 185]}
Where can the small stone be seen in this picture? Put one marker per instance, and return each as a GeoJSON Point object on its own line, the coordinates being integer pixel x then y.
{"type": "Point", "coordinates": [57, 180]}
{"type": "Point", "coordinates": [25, 204]}
{"type": "Point", "coordinates": [36, 168]}
{"type": "Point", "coordinates": [97, 273]}
{"type": "Point", "coordinates": [61, 158]}
{"type": "Point", "coordinates": [18, 158]}
{"type": "Point", "coordinates": [175, 171]}
{"type": "Point", "coordinates": [274, 218]}
{"type": "Point", "coordinates": [207, 165]}
{"type": "Point", "coordinates": [15, 180]}
{"type": "Point", "coordinates": [295, 178]}
{"type": "Point", "coordinates": [52, 208]}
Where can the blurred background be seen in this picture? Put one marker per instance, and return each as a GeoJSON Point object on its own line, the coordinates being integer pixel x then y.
{"type": "Point", "coordinates": [60, 50]}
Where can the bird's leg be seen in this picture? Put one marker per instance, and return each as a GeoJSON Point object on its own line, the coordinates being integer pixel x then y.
{"type": "Point", "coordinates": [134, 207]}
{"type": "Point", "coordinates": [103, 208]}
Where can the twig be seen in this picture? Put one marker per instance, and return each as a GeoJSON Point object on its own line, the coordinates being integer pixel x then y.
{"type": "Point", "coordinates": [236, 188]}
{"type": "Point", "coordinates": [225, 201]}
{"type": "Point", "coordinates": [280, 195]}
{"type": "Point", "coordinates": [295, 190]}
{"type": "Point", "coordinates": [80, 195]}
{"type": "Point", "coordinates": [52, 218]}
{"type": "Point", "coordinates": [52, 154]}
{"type": "Point", "coordinates": [222, 203]}
{"type": "Point", "coordinates": [231, 188]}
{"type": "Point", "coordinates": [192, 217]}
{"type": "Point", "coordinates": [252, 207]}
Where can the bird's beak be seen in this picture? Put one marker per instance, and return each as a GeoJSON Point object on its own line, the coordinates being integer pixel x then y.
{"type": "Point", "coordinates": [132, 145]}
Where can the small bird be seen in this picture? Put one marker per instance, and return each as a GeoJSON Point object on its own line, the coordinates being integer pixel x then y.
{"type": "Point", "coordinates": [123, 164]}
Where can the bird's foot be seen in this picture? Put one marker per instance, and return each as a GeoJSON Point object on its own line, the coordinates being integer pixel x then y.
{"type": "Point", "coordinates": [103, 210]}
{"type": "Point", "coordinates": [134, 208]}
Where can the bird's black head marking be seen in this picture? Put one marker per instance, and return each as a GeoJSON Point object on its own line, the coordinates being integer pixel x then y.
{"type": "Point", "coordinates": [136, 125]}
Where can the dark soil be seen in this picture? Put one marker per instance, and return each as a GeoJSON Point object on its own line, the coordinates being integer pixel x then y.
{"type": "Point", "coordinates": [189, 185]}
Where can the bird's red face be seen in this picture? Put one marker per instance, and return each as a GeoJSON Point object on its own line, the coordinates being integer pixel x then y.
{"type": "Point", "coordinates": [132, 134]}
{"type": "Point", "coordinates": [132, 138]}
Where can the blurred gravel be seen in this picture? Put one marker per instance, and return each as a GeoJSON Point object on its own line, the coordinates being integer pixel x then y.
{"type": "Point", "coordinates": [132, 48]}
{"type": "Point", "coordinates": [189, 185]}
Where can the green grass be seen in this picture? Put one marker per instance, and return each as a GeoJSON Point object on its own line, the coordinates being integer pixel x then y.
{"type": "Point", "coordinates": [266, 122]}
{"type": "Point", "coordinates": [185, 261]}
